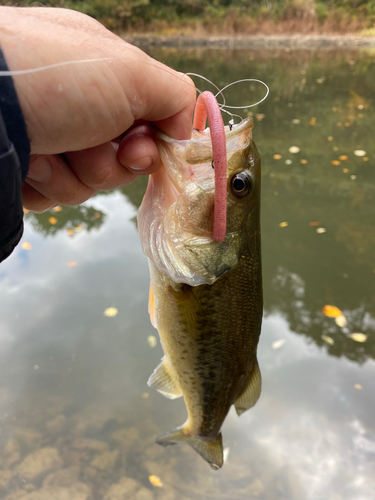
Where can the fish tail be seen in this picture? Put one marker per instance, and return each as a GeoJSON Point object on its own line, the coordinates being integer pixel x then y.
{"type": "Point", "coordinates": [211, 451]}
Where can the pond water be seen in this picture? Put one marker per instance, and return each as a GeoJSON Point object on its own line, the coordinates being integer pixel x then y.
{"type": "Point", "coordinates": [77, 419]}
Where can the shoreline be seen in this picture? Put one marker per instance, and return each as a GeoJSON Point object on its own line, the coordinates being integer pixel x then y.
{"type": "Point", "coordinates": [252, 41]}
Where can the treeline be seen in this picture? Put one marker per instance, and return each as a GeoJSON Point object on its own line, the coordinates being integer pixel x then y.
{"type": "Point", "coordinates": [226, 17]}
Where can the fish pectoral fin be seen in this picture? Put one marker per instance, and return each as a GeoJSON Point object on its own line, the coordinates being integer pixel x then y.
{"type": "Point", "coordinates": [211, 451]}
{"type": "Point", "coordinates": [151, 307]}
{"type": "Point", "coordinates": [251, 394]}
{"type": "Point", "coordinates": [162, 380]}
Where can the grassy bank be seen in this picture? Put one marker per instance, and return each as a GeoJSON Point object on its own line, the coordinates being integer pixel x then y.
{"type": "Point", "coordinates": [225, 17]}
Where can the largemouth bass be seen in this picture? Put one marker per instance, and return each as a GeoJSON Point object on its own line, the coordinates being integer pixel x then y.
{"type": "Point", "coordinates": [205, 296]}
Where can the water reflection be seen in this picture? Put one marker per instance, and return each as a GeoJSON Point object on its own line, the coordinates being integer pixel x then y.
{"type": "Point", "coordinates": [73, 393]}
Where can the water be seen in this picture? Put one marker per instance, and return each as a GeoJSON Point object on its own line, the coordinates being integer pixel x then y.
{"type": "Point", "coordinates": [77, 418]}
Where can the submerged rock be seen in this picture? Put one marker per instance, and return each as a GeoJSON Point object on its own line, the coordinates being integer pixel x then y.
{"type": "Point", "coordinates": [62, 478]}
{"type": "Point", "coordinates": [106, 461]}
{"type": "Point", "coordinates": [84, 444]}
{"type": "Point", "coordinates": [56, 424]}
{"type": "Point", "coordinates": [39, 462]}
{"type": "Point", "coordinates": [5, 477]}
{"type": "Point", "coordinates": [124, 490]}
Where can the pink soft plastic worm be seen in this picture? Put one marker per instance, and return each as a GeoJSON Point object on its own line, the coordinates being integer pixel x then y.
{"type": "Point", "coordinates": [208, 107]}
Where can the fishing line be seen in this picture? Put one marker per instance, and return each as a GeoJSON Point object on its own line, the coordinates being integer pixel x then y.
{"type": "Point", "coordinates": [246, 80]}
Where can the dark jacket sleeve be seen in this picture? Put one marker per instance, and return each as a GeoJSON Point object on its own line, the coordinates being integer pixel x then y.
{"type": "Point", "coordinates": [14, 160]}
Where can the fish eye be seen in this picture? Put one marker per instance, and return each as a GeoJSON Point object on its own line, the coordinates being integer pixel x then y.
{"type": "Point", "coordinates": [241, 185]}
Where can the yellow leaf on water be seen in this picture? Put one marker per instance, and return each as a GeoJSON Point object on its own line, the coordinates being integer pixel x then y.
{"type": "Point", "coordinates": [335, 162]}
{"type": "Point", "coordinates": [358, 386]}
{"type": "Point", "coordinates": [26, 246]}
{"type": "Point", "coordinates": [277, 344]}
{"type": "Point", "coordinates": [341, 321]}
{"type": "Point", "coordinates": [294, 149]}
{"type": "Point", "coordinates": [52, 220]}
{"type": "Point", "coordinates": [303, 161]}
{"type": "Point", "coordinates": [314, 223]}
{"type": "Point", "coordinates": [332, 311]}
{"type": "Point", "coordinates": [345, 170]}
{"type": "Point", "coordinates": [296, 121]}
{"type": "Point", "coordinates": [343, 157]}
{"type": "Point", "coordinates": [152, 341]}
{"type": "Point", "coordinates": [70, 231]}
{"type": "Point", "coordinates": [98, 215]}
{"type": "Point", "coordinates": [365, 158]}
{"type": "Point", "coordinates": [110, 312]}
{"type": "Point", "coordinates": [155, 481]}
{"type": "Point", "coordinates": [328, 339]}
{"type": "Point", "coordinates": [321, 230]}
{"type": "Point", "coordinates": [283, 224]}
{"type": "Point", "coordinates": [277, 157]}
{"type": "Point", "coordinates": [358, 337]}
{"type": "Point", "coordinates": [259, 117]}
{"type": "Point", "coordinates": [312, 121]}
{"type": "Point", "coordinates": [72, 264]}
{"type": "Point", "coordinates": [57, 209]}
{"type": "Point", "coordinates": [330, 138]}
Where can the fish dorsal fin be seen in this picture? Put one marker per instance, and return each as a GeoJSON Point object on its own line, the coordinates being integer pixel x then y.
{"type": "Point", "coordinates": [211, 451]}
{"type": "Point", "coordinates": [162, 380]}
{"type": "Point", "coordinates": [151, 306]}
{"type": "Point", "coordinates": [252, 391]}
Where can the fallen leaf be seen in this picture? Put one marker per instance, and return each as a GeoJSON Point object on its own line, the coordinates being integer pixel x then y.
{"type": "Point", "coordinates": [345, 170]}
{"type": "Point", "coordinates": [288, 162]}
{"type": "Point", "coordinates": [155, 481]}
{"type": "Point", "coordinates": [353, 177]}
{"type": "Point", "coordinates": [343, 157]}
{"type": "Point", "coordinates": [52, 220]}
{"type": "Point", "coordinates": [347, 124]}
{"type": "Point", "coordinates": [335, 162]}
{"type": "Point", "coordinates": [339, 124]}
{"type": "Point", "coordinates": [332, 311]}
{"type": "Point", "coordinates": [358, 337]}
{"type": "Point", "coordinates": [314, 223]}
{"type": "Point", "coordinates": [358, 386]}
{"type": "Point", "coordinates": [70, 231]}
{"type": "Point", "coordinates": [152, 341]}
{"type": "Point", "coordinates": [26, 246]}
{"type": "Point", "coordinates": [360, 152]}
{"type": "Point", "coordinates": [72, 264]}
{"type": "Point", "coordinates": [259, 117]}
{"type": "Point", "coordinates": [330, 138]}
{"type": "Point", "coordinates": [57, 209]}
{"type": "Point", "coordinates": [277, 344]}
{"type": "Point", "coordinates": [321, 230]}
{"type": "Point", "coordinates": [110, 312]}
{"type": "Point", "coordinates": [335, 148]}
{"type": "Point", "coordinates": [283, 224]}
{"type": "Point", "coordinates": [328, 340]}
{"type": "Point", "coordinates": [303, 161]}
{"type": "Point", "coordinates": [277, 157]}
{"type": "Point", "coordinates": [294, 149]}
{"type": "Point", "coordinates": [98, 215]}
{"type": "Point", "coordinates": [321, 79]}
{"type": "Point", "coordinates": [296, 121]}
{"type": "Point", "coordinates": [341, 321]}
{"type": "Point", "coordinates": [312, 121]}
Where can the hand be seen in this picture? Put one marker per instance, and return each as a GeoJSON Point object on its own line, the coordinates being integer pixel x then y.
{"type": "Point", "coordinates": [77, 115]}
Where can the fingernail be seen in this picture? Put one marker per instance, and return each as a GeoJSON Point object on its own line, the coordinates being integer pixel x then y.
{"type": "Point", "coordinates": [40, 170]}
{"type": "Point", "coordinates": [141, 164]}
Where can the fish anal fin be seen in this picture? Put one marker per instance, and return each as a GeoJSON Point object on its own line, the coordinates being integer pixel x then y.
{"type": "Point", "coordinates": [151, 307]}
{"type": "Point", "coordinates": [210, 450]}
{"type": "Point", "coordinates": [251, 393]}
{"type": "Point", "coordinates": [162, 380]}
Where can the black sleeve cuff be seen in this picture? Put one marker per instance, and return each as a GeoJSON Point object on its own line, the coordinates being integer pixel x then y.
{"type": "Point", "coordinates": [14, 160]}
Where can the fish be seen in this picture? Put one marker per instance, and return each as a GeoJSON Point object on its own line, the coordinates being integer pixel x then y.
{"type": "Point", "coordinates": [205, 295]}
